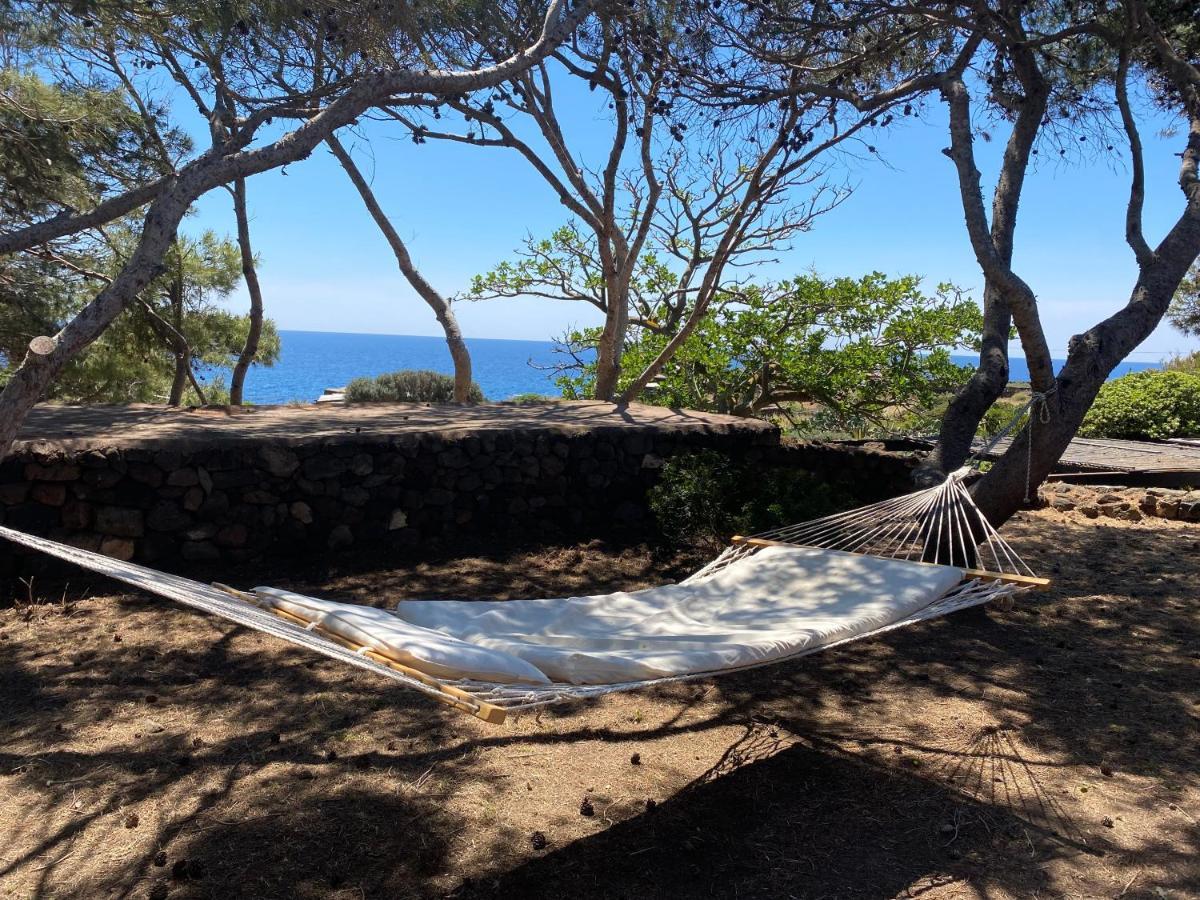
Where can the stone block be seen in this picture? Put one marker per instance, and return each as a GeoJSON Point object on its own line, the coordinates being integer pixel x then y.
{"type": "Point", "coordinates": [340, 537]}
{"type": "Point", "coordinates": [398, 520]}
{"type": "Point", "coordinates": [193, 499]}
{"type": "Point", "coordinates": [279, 461]}
{"type": "Point", "coordinates": [301, 512]}
{"type": "Point", "coordinates": [167, 517]}
{"type": "Point", "coordinates": [355, 496]}
{"type": "Point", "coordinates": [362, 465]}
{"type": "Point", "coordinates": [120, 521]}
{"type": "Point", "coordinates": [12, 494]}
{"type": "Point", "coordinates": [322, 466]}
{"type": "Point", "coordinates": [145, 473]}
{"type": "Point", "coordinates": [233, 536]}
{"type": "Point", "coordinates": [77, 515]}
{"type": "Point", "coordinates": [118, 548]}
{"type": "Point", "coordinates": [183, 478]}
{"type": "Point", "coordinates": [199, 551]}
{"type": "Point", "coordinates": [49, 493]}
{"type": "Point", "coordinates": [51, 472]}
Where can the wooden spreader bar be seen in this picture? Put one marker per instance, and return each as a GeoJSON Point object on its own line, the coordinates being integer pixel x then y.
{"type": "Point", "coordinates": [1032, 581]}
{"type": "Point", "coordinates": [446, 693]}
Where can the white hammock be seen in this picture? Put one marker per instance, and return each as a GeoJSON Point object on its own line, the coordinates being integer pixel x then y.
{"type": "Point", "coordinates": [953, 559]}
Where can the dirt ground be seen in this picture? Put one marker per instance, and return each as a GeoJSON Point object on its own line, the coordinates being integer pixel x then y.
{"type": "Point", "coordinates": [1049, 751]}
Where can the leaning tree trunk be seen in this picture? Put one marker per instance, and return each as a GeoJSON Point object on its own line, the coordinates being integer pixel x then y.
{"type": "Point", "coordinates": [237, 380]}
{"type": "Point", "coordinates": [1090, 360]}
{"type": "Point", "coordinates": [49, 355]}
{"type": "Point", "coordinates": [440, 306]}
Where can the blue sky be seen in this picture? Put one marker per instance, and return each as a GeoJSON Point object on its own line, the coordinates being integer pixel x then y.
{"type": "Point", "coordinates": [462, 209]}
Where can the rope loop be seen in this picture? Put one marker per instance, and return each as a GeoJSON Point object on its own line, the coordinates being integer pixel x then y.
{"type": "Point", "coordinates": [1039, 400]}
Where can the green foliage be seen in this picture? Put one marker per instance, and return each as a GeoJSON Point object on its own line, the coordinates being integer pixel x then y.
{"type": "Point", "coordinates": [1185, 306]}
{"type": "Point", "coordinates": [854, 352]}
{"type": "Point", "coordinates": [704, 497]}
{"type": "Point", "coordinates": [134, 360]}
{"type": "Point", "coordinates": [1189, 362]}
{"type": "Point", "coordinates": [1154, 404]}
{"type": "Point", "coordinates": [407, 386]}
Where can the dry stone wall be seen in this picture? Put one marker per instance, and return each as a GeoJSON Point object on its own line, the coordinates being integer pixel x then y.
{"type": "Point", "coordinates": [171, 504]}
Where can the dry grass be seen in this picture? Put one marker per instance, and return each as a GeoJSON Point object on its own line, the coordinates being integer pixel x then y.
{"type": "Point", "coordinates": [1046, 752]}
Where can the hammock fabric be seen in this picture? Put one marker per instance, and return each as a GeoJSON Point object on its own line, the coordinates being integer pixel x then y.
{"type": "Point", "coordinates": [773, 596]}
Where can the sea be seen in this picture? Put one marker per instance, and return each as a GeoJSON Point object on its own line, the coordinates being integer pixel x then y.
{"type": "Point", "coordinates": [311, 361]}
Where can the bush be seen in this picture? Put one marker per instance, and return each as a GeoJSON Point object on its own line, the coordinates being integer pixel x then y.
{"type": "Point", "coordinates": [407, 386]}
{"type": "Point", "coordinates": [1189, 362]}
{"type": "Point", "coordinates": [1153, 404]}
{"type": "Point", "coordinates": [703, 497]}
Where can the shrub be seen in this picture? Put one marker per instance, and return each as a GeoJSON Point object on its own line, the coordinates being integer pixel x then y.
{"type": "Point", "coordinates": [1153, 404]}
{"type": "Point", "coordinates": [1188, 362]}
{"type": "Point", "coordinates": [703, 497]}
{"type": "Point", "coordinates": [407, 386]}
{"type": "Point", "coordinates": [532, 397]}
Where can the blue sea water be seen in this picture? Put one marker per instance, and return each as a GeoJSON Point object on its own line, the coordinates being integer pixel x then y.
{"type": "Point", "coordinates": [314, 360]}
{"type": "Point", "coordinates": [311, 361]}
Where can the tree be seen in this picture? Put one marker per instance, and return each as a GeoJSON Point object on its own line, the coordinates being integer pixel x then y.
{"type": "Point", "coordinates": [707, 197]}
{"type": "Point", "coordinates": [1041, 62]}
{"type": "Point", "coordinates": [328, 108]}
{"type": "Point", "coordinates": [1185, 307]}
{"type": "Point", "coordinates": [459, 353]}
{"type": "Point", "coordinates": [854, 351]}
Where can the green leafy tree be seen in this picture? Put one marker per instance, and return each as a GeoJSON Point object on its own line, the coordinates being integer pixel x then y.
{"type": "Point", "coordinates": [1146, 405]}
{"type": "Point", "coordinates": [851, 352]}
{"type": "Point", "coordinates": [164, 343]}
{"type": "Point", "coordinates": [1184, 313]}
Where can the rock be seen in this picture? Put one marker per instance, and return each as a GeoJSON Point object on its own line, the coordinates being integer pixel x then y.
{"type": "Point", "coordinates": [233, 536]}
{"type": "Point", "coordinates": [51, 472]}
{"type": "Point", "coordinates": [77, 516]}
{"type": "Point", "coordinates": [193, 499]}
{"type": "Point", "coordinates": [398, 520]}
{"type": "Point", "coordinates": [356, 496]}
{"type": "Point", "coordinates": [168, 460]}
{"type": "Point", "coordinates": [259, 498]}
{"type": "Point", "coordinates": [652, 461]}
{"type": "Point", "coordinates": [12, 494]}
{"type": "Point", "coordinates": [279, 461]}
{"type": "Point", "coordinates": [50, 493]}
{"type": "Point", "coordinates": [144, 473]}
{"type": "Point", "coordinates": [340, 537]}
{"type": "Point", "coordinates": [167, 517]}
{"type": "Point", "coordinates": [320, 467]}
{"type": "Point", "coordinates": [199, 551]}
{"type": "Point", "coordinates": [206, 482]}
{"type": "Point", "coordinates": [120, 522]}
{"type": "Point", "coordinates": [1167, 508]}
{"type": "Point", "coordinates": [301, 512]}
{"type": "Point", "coordinates": [1061, 503]}
{"type": "Point", "coordinates": [201, 532]}
{"type": "Point", "coordinates": [183, 478]}
{"type": "Point", "coordinates": [362, 465]}
{"type": "Point", "coordinates": [101, 478]}
{"type": "Point", "coordinates": [117, 548]}
{"type": "Point", "coordinates": [1128, 513]}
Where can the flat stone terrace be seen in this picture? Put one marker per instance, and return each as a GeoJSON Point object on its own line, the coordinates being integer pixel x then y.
{"type": "Point", "coordinates": [79, 428]}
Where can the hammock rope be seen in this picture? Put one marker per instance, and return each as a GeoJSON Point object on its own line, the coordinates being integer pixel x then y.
{"type": "Point", "coordinates": [936, 526]}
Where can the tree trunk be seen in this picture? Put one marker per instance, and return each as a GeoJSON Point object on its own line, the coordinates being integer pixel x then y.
{"type": "Point", "coordinates": [440, 306]}
{"type": "Point", "coordinates": [612, 340]}
{"type": "Point", "coordinates": [1091, 358]}
{"type": "Point", "coordinates": [179, 344]}
{"type": "Point", "coordinates": [29, 383]}
{"type": "Point", "coordinates": [250, 349]}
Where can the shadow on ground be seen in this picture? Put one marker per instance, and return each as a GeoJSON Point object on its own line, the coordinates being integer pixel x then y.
{"type": "Point", "coordinates": [1048, 751]}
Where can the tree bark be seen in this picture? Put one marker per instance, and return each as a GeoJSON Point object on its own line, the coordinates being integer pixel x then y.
{"type": "Point", "coordinates": [249, 272]}
{"type": "Point", "coordinates": [440, 306]}
{"type": "Point", "coordinates": [1092, 356]}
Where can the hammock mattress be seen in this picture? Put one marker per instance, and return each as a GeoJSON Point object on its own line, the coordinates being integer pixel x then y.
{"type": "Point", "coordinates": [776, 603]}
